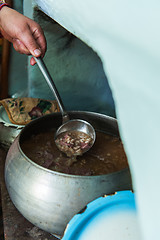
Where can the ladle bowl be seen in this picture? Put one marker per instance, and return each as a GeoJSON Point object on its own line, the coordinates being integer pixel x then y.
{"type": "Point", "coordinates": [80, 126]}
{"type": "Point", "coordinates": [76, 125]}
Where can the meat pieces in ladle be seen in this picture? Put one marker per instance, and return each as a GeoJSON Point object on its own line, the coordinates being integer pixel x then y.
{"type": "Point", "coordinates": [74, 143]}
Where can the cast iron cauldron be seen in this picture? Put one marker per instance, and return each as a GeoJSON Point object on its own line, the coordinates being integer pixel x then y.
{"type": "Point", "coordinates": [49, 199]}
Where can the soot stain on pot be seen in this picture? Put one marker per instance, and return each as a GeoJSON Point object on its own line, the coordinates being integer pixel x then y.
{"type": "Point", "coordinates": [106, 156]}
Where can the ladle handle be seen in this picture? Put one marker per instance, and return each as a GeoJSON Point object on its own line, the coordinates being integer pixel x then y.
{"type": "Point", "coordinates": [52, 86]}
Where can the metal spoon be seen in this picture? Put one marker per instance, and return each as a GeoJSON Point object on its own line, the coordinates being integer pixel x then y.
{"type": "Point", "coordinates": [68, 125]}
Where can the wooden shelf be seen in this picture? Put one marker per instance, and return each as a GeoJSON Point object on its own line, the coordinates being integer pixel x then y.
{"type": "Point", "coordinates": [5, 55]}
{"type": "Point", "coordinates": [4, 69]}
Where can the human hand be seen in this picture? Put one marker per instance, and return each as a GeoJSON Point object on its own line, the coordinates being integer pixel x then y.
{"type": "Point", "coordinates": [25, 34]}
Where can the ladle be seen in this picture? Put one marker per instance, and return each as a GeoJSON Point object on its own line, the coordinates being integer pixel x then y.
{"type": "Point", "coordinates": [67, 124]}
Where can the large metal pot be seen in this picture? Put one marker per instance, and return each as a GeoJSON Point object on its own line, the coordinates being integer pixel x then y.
{"type": "Point", "coordinates": [50, 199]}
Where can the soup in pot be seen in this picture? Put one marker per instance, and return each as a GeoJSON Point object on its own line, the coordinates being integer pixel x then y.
{"type": "Point", "coordinates": [106, 156]}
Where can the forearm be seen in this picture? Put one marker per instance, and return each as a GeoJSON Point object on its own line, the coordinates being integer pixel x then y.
{"type": "Point", "coordinates": [2, 4]}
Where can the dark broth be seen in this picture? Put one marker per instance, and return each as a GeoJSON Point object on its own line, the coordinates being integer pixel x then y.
{"type": "Point", "coordinates": [106, 156]}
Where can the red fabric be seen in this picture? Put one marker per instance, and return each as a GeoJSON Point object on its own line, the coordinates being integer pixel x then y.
{"type": "Point", "coordinates": [3, 4]}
